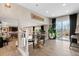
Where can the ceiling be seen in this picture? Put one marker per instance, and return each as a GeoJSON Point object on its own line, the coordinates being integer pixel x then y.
{"type": "Point", "coordinates": [52, 9]}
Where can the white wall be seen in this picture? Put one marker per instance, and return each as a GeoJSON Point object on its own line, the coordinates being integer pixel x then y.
{"type": "Point", "coordinates": [77, 25]}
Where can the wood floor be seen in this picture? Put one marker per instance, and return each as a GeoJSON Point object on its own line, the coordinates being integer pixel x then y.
{"type": "Point", "coordinates": [51, 48]}
{"type": "Point", "coordinates": [9, 50]}
{"type": "Point", "coordinates": [54, 48]}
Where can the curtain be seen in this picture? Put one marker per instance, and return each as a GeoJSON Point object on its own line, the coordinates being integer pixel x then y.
{"type": "Point", "coordinates": [73, 22]}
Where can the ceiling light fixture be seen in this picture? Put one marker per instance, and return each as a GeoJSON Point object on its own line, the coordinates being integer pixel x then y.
{"type": "Point", "coordinates": [8, 5]}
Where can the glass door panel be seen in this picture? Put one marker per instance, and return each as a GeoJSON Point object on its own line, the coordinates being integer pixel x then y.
{"type": "Point", "coordinates": [58, 29]}
{"type": "Point", "coordinates": [62, 29]}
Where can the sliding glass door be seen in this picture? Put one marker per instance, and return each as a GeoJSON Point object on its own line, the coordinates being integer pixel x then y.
{"type": "Point", "coordinates": [58, 29]}
{"type": "Point", "coordinates": [62, 29]}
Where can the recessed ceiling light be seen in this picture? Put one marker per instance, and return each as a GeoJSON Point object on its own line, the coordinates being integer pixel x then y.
{"type": "Point", "coordinates": [64, 4]}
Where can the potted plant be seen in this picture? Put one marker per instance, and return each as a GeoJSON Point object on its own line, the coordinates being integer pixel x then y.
{"type": "Point", "coordinates": [51, 32]}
